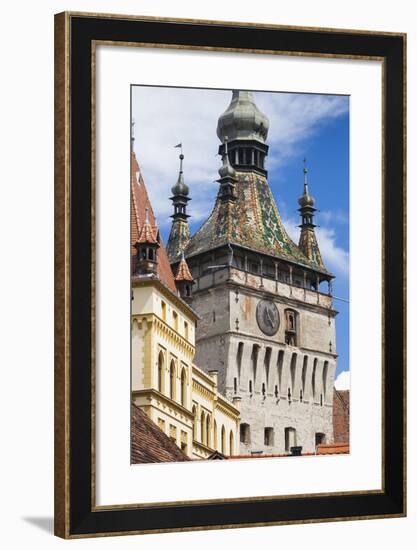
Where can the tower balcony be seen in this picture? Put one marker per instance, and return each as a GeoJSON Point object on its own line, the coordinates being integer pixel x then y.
{"type": "Point", "coordinates": [295, 290]}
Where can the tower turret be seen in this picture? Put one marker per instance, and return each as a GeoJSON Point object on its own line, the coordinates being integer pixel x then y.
{"type": "Point", "coordinates": [146, 247]}
{"type": "Point", "coordinates": [180, 233]}
{"type": "Point", "coordinates": [247, 129]}
{"type": "Point", "coordinates": [308, 241]}
{"type": "Point", "coordinates": [183, 279]}
{"type": "Point", "coordinates": [228, 178]}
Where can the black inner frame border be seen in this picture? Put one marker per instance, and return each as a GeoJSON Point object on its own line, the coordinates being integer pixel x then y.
{"type": "Point", "coordinates": [85, 29]}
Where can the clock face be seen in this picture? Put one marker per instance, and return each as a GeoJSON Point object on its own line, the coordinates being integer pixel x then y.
{"type": "Point", "coordinates": [268, 317]}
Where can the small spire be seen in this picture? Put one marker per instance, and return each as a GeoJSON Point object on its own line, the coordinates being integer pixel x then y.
{"type": "Point", "coordinates": [147, 234]}
{"type": "Point", "coordinates": [306, 200]}
{"type": "Point", "coordinates": [180, 188]}
{"type": "Point", "coordinates": [183, 272]}
{"type": "Point", "coordinates": [226, 170]}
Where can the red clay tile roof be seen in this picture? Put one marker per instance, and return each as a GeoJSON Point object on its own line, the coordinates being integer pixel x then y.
{"type": "Point", "coordinates": [268, 455]}
{"type": "Point", "coordinates": [333, 449]}
{"type": "Point", "coordinates": [147, 233]}
{"type": "Point", "coordinates": [149, 443]}
{"type": "Point", "coordinates": [183, 272]}
{"type": "Point", "coordinates": [139, 203]}
{"type": "Point", "coordinates": [341, 402]}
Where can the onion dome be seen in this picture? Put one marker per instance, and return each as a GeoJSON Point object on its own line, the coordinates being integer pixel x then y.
{"type": "Point", "coordinates": [243, 120]}
{"type": "Point", "coordinates": [226, 170]}
{"type": "Point", "coordinates": [180, 188]}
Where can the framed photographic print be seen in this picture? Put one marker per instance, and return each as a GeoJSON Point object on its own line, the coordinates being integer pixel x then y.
{"type": "Point", "coordinates": [229, 276]}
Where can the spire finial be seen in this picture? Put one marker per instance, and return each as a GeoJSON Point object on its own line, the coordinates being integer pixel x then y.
{"type": "Point", "coordinates": [305, 171]}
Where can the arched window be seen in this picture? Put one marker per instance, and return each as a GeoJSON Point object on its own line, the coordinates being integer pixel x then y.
{"type": "Point", "coordinates": [254, 360]}
{"type": "Point", "coordinates": [231, 443]}
{"type": "Point", "coordinates": [183, 388]}
{"type": "Point", "coordinates": [293, 371]}
{"type": "Point", "coordinates": [304, 373]}
{"type": "Point", "coordinates": [223, 440]}
{"type": "Point", "coordinates": [172, 380]}
{"type": "Point", "coordinates": [325, 373]}
{"type": "Point", "coordinates": [203, 427]}
{"type": "Point", "coordinates": [215, 442]}
{"type": "Point", "coordinates": [313, 378]}
{"type": "Point", "coordinates": [161, 372]}
{"type": "Point", "coordinates": [267, 362]}
{"type": "Point", "coordinates": [194, 423]}
{"type": "Point", "coordinates": [208, 431]}
{"type": "Point", "coordinates": [280, 364]}
{"type": "Point", "coordinates": [239, 356]}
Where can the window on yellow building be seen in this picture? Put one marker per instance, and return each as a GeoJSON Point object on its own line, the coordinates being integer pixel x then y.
{"type": "Point", "coordinates": [161, 372]}
{"type": "Point", "coordinates": [175, 320]}
{"type": "Point", "coordinates": [186, 330]}
{"type": "Point", "coordinates": [194, 423]}
{"type": "Point", "coordinates": [163, 310]}
{"type": "Point", "coordinates": [215, 442]}
{"type": "Point", "coordinates": [232, 443]}
{"type": "Point", "coordinates": [202, 427]}
{"type": "Point", "coordinates": [223, 440]}
{"type": "Point", "coordinates": [208, 430]}
{"type": "Point", "coordinates": [183, 388]}
{"type": "Point", "coordinates": [172, 380]}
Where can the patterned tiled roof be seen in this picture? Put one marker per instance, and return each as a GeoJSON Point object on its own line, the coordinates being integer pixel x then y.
{"type": "Point", "coordinates": [308, 245]}
{"type": "Point", "coordinates": [149, 443]}
{"type": "Point", "coordinates": [252, 221]}
{"type": "Point", "coordinates": [179, 238]}
{"type": "Point", "coordinates": [139, 203]}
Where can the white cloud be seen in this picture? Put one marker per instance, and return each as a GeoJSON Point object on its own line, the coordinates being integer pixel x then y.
{"type": "Point", "coordinates": [342, 381]}
{"type": "Point", "coordinates": [166, 116]}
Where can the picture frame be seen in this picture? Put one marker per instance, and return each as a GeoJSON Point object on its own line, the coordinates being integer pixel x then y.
{"type": "Point", "coordinates": [76, 513]}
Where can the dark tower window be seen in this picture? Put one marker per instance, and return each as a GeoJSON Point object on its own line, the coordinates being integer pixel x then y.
{"type": "Point", "coordinates": [290, 438]}
{"type": "Point", "coordinates": [269, 437]}
{"type": "Point", "coordinates": [245, 433]}
{"type": "Point", "coordinates": [250, 387]}
{"type": "Point", "coordinates": [291, 336]}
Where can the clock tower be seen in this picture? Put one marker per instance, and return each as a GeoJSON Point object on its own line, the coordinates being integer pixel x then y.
{"type": "Point", "coordinates": [267, 323]}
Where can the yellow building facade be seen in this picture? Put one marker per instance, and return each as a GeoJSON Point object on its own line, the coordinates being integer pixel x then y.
{"type": "Point", "coordinates": [175, 394]}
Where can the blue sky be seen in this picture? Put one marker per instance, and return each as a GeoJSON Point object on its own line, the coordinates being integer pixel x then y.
{"type": "Point", "coordinates": [301, 125]}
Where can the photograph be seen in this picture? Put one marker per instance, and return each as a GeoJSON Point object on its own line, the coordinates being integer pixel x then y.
{"type": "Point", "coordinates": [239, 250]}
